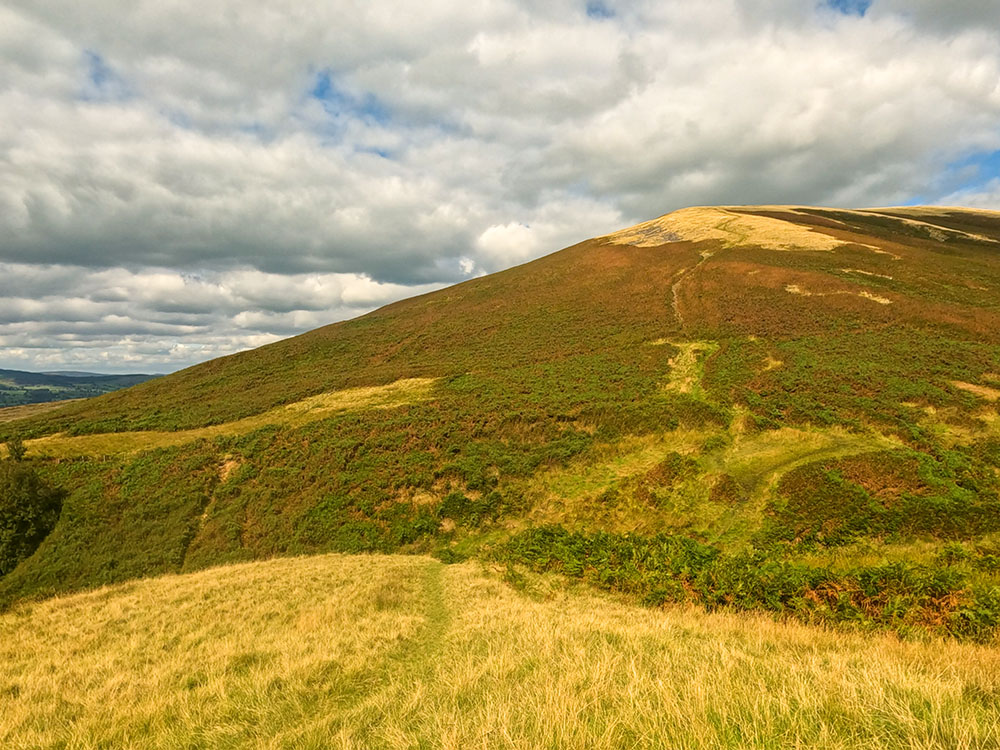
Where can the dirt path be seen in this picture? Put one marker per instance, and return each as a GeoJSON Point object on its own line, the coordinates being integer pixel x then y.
{"type": "Point", "coordinates": [684, 274]}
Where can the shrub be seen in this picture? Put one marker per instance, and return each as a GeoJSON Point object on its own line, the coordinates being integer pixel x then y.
{"type": "Point", "coordinates": [29, 509]}
{"type": "Point", "coordinates": [16, 449]}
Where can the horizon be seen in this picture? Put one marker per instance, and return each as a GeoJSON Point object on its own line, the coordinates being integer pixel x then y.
{"type": "Point", "coordinates": [171, 198]}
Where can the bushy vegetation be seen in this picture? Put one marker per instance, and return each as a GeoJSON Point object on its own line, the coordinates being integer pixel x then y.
{"type": "Point", "coordinates": [29, 509]}
{"type": "Point", "coordinates": [119, 520]}
{"type": "Point", "coordinates": [668, 568]}
{"type": "Point", "coordinates": [854, 378]}
{"type": "Point", "coordinates": [908, 494]}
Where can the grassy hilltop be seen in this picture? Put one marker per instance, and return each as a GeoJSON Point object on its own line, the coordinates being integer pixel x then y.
{"type": "Point", "coordinates": [784, 409]}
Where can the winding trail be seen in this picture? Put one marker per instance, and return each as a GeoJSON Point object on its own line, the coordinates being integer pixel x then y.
{"type": "Point", "coordinates": [405, 676]}
{"type": "Point", "coordinates": [684, 274]}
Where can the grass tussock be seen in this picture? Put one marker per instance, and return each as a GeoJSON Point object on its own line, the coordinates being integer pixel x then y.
{"type": "Point", "coordinates": [399, 652]}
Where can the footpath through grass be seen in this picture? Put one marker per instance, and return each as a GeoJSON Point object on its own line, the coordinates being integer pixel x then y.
{"type": "Point", "coordinates": [399, 652]}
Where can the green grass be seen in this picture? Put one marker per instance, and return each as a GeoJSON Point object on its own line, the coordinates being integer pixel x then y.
{"type": "Point", "coordinates": [294, 414]}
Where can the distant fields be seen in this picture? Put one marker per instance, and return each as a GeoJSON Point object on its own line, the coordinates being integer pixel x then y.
{"type": "Point", "coordinates": [10, 413]}
{"type": "Point", "coordinates": [19, 388]}
{"type": "Point", "coordinates": [398, 652]}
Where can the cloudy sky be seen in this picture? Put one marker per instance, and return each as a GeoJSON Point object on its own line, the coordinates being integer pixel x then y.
{"type": "Point", "coordinates": [181, 179]}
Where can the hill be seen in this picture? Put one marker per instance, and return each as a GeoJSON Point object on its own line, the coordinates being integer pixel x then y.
{"type": "Point", "coordinates": [390, 652]}
{"type": "Point", "coordinates": [780, 408]}
{"type": "Point", "coordinates": [19, 388]}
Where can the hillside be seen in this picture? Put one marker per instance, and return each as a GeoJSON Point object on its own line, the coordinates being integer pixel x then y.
{"type": "Point", "coordinates": [786, 409]}
{"type": "Point", "coordinates": [19, 388]}
{"type": "Point", "coordinates": [393, 652]}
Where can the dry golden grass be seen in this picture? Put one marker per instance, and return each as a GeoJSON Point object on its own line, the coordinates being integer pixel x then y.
{"type": "Point", "coordinates": [990, 394]}
{"type": "Point", "coordinates": [10, 413]}
{"type": "Point", "coordinates": [875, 298]}
{"type": "Point", "coordinates": [797, 289]}
{"type": "Point", "coordinates": [300, 412]}
{"type": "Point", "coordinates": [403, 652]}
{"type": "Point", "coordinates": [770, 363]}
{"type": "Point", "coordinates": [729, 227]}
{"type": "Point", "coordinates": [686, 367]}
{"type": "Point", "coordinates": [867, 273]}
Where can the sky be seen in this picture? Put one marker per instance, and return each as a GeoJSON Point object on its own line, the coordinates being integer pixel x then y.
{"type": "Point", "coordinates": [181, 180]}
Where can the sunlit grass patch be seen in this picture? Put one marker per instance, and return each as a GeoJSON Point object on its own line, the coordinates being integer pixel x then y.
{"type": "Point", "coordinates": [571, 494]}
{"type": "Point", "coordinates": [614, 486]}
{"type": "Point", "coordinates": [731, 228]}
{"type": "Point", "coordinates": [687, 367]}
{"type": "Point", "coordinates": [301, 412]}
{"type": "Point", "coordinates": [984, 392]}
{"type": "Point", "coordinates": [759, 459]}
{"type": "Point", "coordinates": [865, 294]}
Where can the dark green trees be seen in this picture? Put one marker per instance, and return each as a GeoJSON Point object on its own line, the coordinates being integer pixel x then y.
{"type": "Point", "coordinates": [29, 509]}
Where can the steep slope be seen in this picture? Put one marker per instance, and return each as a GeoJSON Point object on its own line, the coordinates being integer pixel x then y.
{"type": "Point", "coordinates": [815, 386]}
{"type": "Point", "coordinates": [594, 297]}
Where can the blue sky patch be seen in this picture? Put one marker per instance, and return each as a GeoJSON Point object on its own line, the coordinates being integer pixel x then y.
{"type": "Point", "coordinates": [380, 152]}
{"type": "Point", "coordinates": [968, 174]}
{"type": "Point", "coordinates": [849, 7]}
{"type": "Point", "coordinates": [599, 10]}
{"type": "Point", "coordinates": [338, 102]}
{"type": "Point", "coordinates": [976, 170]}
{"type": "Point", "coordinates": [103, 83]}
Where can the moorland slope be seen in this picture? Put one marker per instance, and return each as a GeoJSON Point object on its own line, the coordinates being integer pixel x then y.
{"type": "Point", "coordinates": [781, 408]}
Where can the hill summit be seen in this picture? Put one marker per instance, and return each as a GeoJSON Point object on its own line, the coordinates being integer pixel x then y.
{"type": "Point", "coordinates": [717, 390]}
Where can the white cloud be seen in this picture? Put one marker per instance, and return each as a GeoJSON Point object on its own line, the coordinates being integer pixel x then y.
{"type": "Point", "coordinates": [166, 318]}
{"type": "Point", "coordinates": [982, 196]}
{"type": "Point", "coordinates": [291, 165]}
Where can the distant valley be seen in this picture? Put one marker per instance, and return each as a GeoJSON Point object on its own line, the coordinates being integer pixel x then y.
{"type": "Point", "coordinates": [19, 388]}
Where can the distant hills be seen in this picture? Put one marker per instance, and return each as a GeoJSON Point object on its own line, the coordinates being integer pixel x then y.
{"type": "Point", "coordinates": [19, 388]}
{"type": "Point", "coordinates": [781, 408]}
